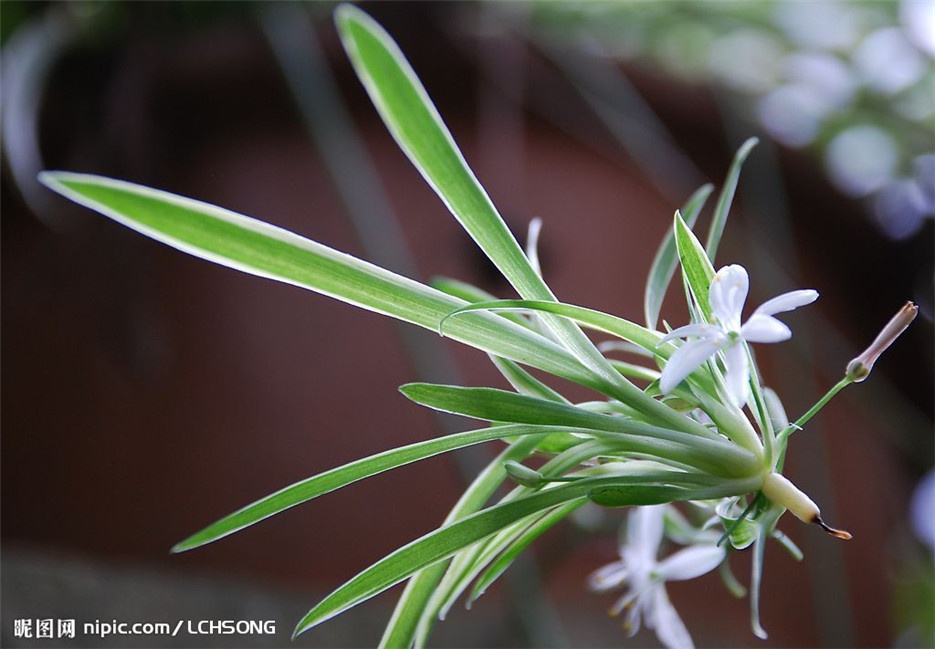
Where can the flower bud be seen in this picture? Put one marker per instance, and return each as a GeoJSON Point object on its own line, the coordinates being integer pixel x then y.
{"type": "Point", "coordinates": [780, 491]}
{"type": "Point", "coordinates": [859, 368]}
{"type": "Point", "coordinates": [523, 475]}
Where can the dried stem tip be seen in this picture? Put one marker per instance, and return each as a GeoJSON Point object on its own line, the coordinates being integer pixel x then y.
{"type": "Point", "coordinates": [840, 534]}
{"type": "Point", "coordinates": [859, 368]}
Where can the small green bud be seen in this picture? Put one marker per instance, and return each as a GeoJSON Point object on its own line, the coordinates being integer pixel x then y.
{"type": "Point", "coordinates": [523, 475]}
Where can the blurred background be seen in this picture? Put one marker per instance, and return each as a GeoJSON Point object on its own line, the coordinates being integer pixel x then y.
{"type": "Point", "coordinates": [146, 393]}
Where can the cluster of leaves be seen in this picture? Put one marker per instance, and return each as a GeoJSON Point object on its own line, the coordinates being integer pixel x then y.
{"type": "Point", "coordinates": [632, 446]}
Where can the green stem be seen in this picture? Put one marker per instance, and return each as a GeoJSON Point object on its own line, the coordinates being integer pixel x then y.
{"type": "Point", "coordinates": [801, 421]}
{"type": "Point", "coordinates": [759, 409]}
{"type": "Point", "coordinates": [729, 419]}
{"type": "Point", "coordinates": [740, 519]}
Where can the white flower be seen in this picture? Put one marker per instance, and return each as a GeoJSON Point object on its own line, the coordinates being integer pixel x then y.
{"type": "Point", "coordinates": [645, 576]}
{"type": "Point", "coordinates": [921, 507]}
{"type": "Point", "coordinates": [726, 298]}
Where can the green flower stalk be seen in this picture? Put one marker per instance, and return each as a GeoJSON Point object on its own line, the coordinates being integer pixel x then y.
{"type": "Point", "coordinates": [690, 421]}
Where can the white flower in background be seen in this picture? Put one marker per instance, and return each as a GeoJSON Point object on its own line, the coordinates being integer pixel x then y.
{"type": "Point", "coordinates": [644, 576]}
{"type": "Point", "coordinates": [922, 506]}
{"type": "Point", "coordinates": [726, 298]}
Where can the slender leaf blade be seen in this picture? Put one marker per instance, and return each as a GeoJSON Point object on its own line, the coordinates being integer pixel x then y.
{"type": "Point", "coordinates": [481, 556]}
{"type": "Point", "coordinates": [496, 405]}
{"type": "Point", "coordinates": [591, 318]}
{"type": "Point", "coordinates": [512, 550]}
{"type": "Point", "coordinates": [446, 541]}
{"type": "Point", "coordinates": [524, 382]}
{"type": "Point", "coordinates": [430, 549]}
{"type": "Point", "coordinates": [630, 495]}
{"type": "Point", "coordinates": [726, 198]}
{"type": "Point", "coordinates": [417, 127]}
{"type": "Point", "coordinates": [710, 452]}
{"type": "Point", "coordinates": [470, 293]}
{"type": "Point", "coordinates": [411, 616]}
{"type": "Point", "coordinates": [697, 270]}
{"type": "Point", "coordinates": [318, 485]}
{"type": "Point", "coordinates": [463, 567]}
{"type": "Point", "coordinates": [261, 249]}
{"type": "Point", "coordinates": [666, 259]}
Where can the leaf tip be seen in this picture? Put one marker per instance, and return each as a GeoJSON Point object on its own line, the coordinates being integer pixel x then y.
{"type": "Point", "coordinates": [54, 180]}
{"type": "Point", "coordinates": [410, 390]}
{"type": "Point", "coordinates": [347, 16]}
{"type": "Point", "coordinates": [307, 623]}
{"type": "Point", "coordinates": [68, 183]}
{"type": "Point", "coordinates": [346, 12]}
{"type": "Point", "coordinates": [185, 545]}
{"type": "Point", "coordinates": [678, 220]}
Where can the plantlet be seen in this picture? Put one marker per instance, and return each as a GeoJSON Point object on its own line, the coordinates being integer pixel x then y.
{"type": "Point", "coordinates": [690, 422]}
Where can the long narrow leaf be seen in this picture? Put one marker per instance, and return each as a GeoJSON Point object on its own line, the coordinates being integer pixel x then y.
{"type": "Point", "coordinates": [411, 617]}
{"type": "Point", "coordinates": [635, 371]}
{"type": "Point", "coordinates": [470, 293]}
{"type": "Point", "coordinates": [625, 392]}
{"type": "Point", "coordinates": [710, 452]}
{"type": "Point", "coordinates": [323, 483]}
{"type": "Point", "coordinates": [666, 259]}
{"type": "Point", "coordinates": [726, 197]}
{"type": "Point", "coordinates": [492, 404]}
{"type": "Point", "coordinates": [258, 248]}
{"type": "Point", "coordinates": [597, 320]}
{"type": "Point", "coordinates": [415, 124]}
{"type": "Point", "coordinates": [466, 564]}
{"type": "Point", "coordinates": [629, 495]}
{"type": "Point", "coordinates": [487, 552]}
{"type": "Point", "coordinates": [697, 270]}
{"type": "Point", "coordinates": [476, 558]}
{"type": "Point", "coordinates": [524, 382]}
{"type": "Point", "coordinates": [444, 542]}
{"type": "Point", "coordinates": [429, 549]}
{"type": "Point", "coordinates": [469, 562]}
{"type": "Point", "coordinates": [513, 549]}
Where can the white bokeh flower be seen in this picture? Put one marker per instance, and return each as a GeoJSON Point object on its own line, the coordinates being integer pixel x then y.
{"type": "Point", "coordinates": [726, 298]}
{"type": "Point", "coordinates": [644, 576]}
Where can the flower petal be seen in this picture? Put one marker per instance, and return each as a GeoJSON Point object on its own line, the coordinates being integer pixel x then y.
{"type": "Point", "coordinates": [737, 377]}
{"type": "Point", "coordinates": [609, 576]}
{"type": "Point", "coordinates": [727, 295]}
{"type": "Point", "coordinates": [762, 328]}
{"type": "Point", "coordinates": [787, 301]}
{"type": "Point", "coordinates": [662, 617]}
{"type": "Point", "coordinates": [688, 358]}
{"type": "Point", "coordinates": [691, 562]}
{"type": "Point", "coordinates": [644, 534]}
{"type": "Point", "coordinates": [697, 330]}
